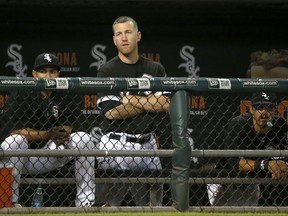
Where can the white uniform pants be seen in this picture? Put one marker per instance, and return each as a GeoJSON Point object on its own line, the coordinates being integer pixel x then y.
{"type": "Point", "coordinates": [143, 195]}
{"type": "Point", "coordinates": [84, 166]}
{"type": "Point", "coordinates": [230, 195]}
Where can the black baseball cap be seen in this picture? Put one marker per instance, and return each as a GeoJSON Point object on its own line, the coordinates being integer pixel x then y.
{"type": "Point", "coordinates": [264, 98]}
{"type": "Point", "coordinates": [46, 60]}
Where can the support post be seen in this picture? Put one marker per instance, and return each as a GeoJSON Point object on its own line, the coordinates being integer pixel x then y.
{"type": "Point", "coordinates": [179, 116]}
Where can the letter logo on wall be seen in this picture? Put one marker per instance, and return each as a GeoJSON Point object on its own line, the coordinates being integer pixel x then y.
{"type": "Point", "coordinates": [68, 61]}
{"type": "Point", "coordinates": [198, 104]}
{"type": "Point", "coordinates": [97, 53]}
{"type": "Point", "coordinates": [90, 105]}
{"type": "Point", "coordinates": [17, 63]}
{"type": "Point", "coordinates": [189, 64]}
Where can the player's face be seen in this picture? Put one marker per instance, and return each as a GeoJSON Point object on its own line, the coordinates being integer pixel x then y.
{"type": "Point", "coordinates": [47, 72]}
{"type": "Point", "coordinates": [263, 114]}
{"type": "Point", "coordinates": [126, 37]}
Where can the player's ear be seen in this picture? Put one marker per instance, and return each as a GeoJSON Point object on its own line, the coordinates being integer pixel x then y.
{"type": "Point", "coordinates": [114, 40]}
{"type": "Point", "coordinates": [139, 36]}
{"type": "Point", "coordinates": [34, 73]}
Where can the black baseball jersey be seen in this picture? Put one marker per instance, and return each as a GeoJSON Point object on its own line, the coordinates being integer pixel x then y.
{"type": "Point", "coordinates": [116, 68]}
{"type": "Point", "coordinates": [31, 110]}
{"type": "Point", "coordinates": [242, 136]}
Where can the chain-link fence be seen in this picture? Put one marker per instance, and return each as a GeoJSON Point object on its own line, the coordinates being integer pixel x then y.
{"type": "Point", "coordinates": [143, 176]}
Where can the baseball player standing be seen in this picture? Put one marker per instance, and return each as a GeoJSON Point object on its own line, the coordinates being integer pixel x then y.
{"type": "Point", "coordinates": [259, 129]}
{"type": "Point", "coordinates": [42, 120]}
{"type": "Point", "coordinates": [129, 115]}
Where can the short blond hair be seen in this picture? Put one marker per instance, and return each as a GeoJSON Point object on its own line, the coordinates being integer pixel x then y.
{"type": "Point", "coordinates": [123, 19]}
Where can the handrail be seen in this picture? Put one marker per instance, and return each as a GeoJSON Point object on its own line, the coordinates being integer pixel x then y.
{"type": "Point", "coordinates": [96, 84]}
{"type": "Point", "coordinates": [147, 153]}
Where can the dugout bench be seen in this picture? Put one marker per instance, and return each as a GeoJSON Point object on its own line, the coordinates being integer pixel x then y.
{"type": "Point", "coordinates": [60, 190]}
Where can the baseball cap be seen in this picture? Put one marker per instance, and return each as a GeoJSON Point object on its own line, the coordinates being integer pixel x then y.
{"type": "Point", "coordinates": [264, 98]}
{"type": "Point", "coordinates": [46, 60]}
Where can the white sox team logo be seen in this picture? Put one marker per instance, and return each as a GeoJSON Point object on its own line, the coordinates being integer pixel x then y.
{"type": "Point", "coordinates": [97, 53]}
{"type": "Point", "coordinates": [265, 96]}
{"type": "Point", "coordinates": [55, 111]}
{"type": "Point", "coordinates": [189, 65]}
{"type": "Point", "coordinates": [17, 63]}
{"type": "Point", "coordinates": [47, 57]}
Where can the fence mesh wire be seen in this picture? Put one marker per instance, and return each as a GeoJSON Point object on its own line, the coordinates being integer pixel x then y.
{"type": "Point", "coordinates": [209, 118]}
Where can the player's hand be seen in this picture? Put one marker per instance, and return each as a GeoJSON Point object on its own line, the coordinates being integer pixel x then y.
{"type": "Point", "coordinates": [59, 134]}
{"type": "Point", "coordinates": [68, 129]}
{"type": "Point", "coordinates": [278, 169]}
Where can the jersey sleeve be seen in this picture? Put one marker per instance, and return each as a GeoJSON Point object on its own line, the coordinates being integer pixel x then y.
{"type": "Point", "coordinates": [107, 100]}
{"type": "Point", "coordinates": [161, 71]}
{"type": "Point", "coordinates": [234, 140]}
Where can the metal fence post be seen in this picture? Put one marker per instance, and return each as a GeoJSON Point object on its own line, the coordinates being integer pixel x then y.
{"type": "Point", "coordinates": [179, 116]}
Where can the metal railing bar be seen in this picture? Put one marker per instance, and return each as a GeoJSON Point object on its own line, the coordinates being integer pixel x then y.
{"type": "Point", "coordinates": [144, 153]}
{"type": "Point", "coordinates": [153, 180]}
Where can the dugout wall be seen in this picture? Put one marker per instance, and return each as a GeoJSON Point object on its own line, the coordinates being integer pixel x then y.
{"type": "Point", "coordinates": [223, 101]}
{"type": "Point", "coordinates": [190, 38]}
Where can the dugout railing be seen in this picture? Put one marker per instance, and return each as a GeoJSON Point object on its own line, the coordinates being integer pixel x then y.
{"type": "Point", "coordinates": [180, 177]}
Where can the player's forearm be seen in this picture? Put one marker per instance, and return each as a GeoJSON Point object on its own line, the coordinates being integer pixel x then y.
{"type": "Point", "coordinates": [156, 103]}
{"type": "Point", "coordinates": [31, 134]}
{"type": "Point", "coordinates": [150, 103]}
{"type": "Point", "coordinates": [246, 165]}
{"type": "Point", "coordinates": [122, 112]}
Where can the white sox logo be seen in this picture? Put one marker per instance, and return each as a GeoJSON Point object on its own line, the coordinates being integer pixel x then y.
{"type": "Point", "coordinates": [47, 57]}
{"type": "Point", "coordinates": [55, 111]}
{"type": "Point", "coordinates": [189, 65]}
{"type": "Point", "coordinates": [17, 62]}
{"type": "Point", "coordinates": [265, 96]}
{"type": "Point", "coordinates": [98, 55]}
